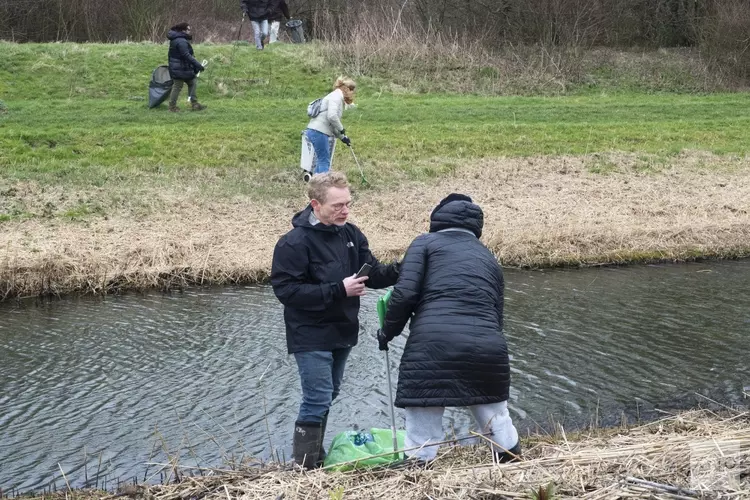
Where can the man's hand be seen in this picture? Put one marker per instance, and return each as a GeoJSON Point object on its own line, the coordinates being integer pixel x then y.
{"type": "Point", "coordinates": [355, 287]}
{"type": "Point", "coordinates": [382, 340]}
{"type": "Point", "coordinates": [345, 139]}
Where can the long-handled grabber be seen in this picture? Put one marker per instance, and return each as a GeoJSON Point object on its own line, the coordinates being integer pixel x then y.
{"type": "Point", "coordinates": [382, 307]}
{"type": "Point", "coordinates": [390, 401]}
{"type": "Point", "coordinates": [361, 172]}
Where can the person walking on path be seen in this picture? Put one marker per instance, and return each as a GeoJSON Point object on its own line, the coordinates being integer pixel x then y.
{"type": "Point", "coordinates": [450, 288]}
{"type": "Point", "coordinates": [313, 275]}
{"type": "Point", "coordinates": [258, 12]}
{"type": "Point", "coordinates": [183, 66]}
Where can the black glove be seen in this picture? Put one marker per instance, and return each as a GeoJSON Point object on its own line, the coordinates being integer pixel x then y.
{"type": "Point", "coordinates": [382, 340]}
{"type": "Point", "coordinates": [346, 140]}
{"type": "Point", "coordinates": [201, 68]}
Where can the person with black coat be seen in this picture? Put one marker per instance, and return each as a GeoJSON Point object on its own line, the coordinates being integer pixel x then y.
{"type": "Point", "coordinates": [278, 10]}
{"type": "Point", "coordinates": [450, 288]}
{"type": "Point", "coordinates": [183, 66]}
{"type": "Point", "coordinates": [258, 12]}
{"type": "Point", "coordinates": [313, 275]}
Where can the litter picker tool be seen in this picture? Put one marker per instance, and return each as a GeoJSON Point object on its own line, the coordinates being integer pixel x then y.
{"type": "Point", "coordinates": [204, 63]}
{"type": "Point", "coordinates": [234, 45]}
{"type": "Point", "coordinates": [364, 179]}
{"type": "Point", "coordinates": [239, 31]}
{"type": "Point", "coordinates": [382, 308]}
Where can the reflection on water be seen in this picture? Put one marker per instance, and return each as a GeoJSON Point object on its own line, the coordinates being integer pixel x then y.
{"type": "Point", "coordinates": [204, 375]}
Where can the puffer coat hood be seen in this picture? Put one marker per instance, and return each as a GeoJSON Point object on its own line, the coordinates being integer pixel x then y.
{"type": "Point", "coordinates": [457, 211]}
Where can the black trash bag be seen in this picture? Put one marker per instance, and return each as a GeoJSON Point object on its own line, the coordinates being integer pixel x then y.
{"type": "Point", "coordinates": [159, 87]}
{"type": "Point", "coordinates": [296, 31]}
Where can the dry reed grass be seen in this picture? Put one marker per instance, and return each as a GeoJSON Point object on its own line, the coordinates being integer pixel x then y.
{"type": "Point", "coordinates": [696, 454]}
{"type": "Point", "coordinates": [414, 58]}
{"type": "Point", "coordinates": [540, 211]}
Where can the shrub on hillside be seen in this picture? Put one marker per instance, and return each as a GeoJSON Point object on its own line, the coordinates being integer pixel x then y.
{"type": "Point", "coordinates": [724, 43]}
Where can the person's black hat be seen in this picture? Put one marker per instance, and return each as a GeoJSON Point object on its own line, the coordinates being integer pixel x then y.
{"type": "Point", "coordinates": [451, 197]}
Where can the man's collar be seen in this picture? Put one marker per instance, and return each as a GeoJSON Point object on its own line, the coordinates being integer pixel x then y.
{"type": "Point", "coordinates": [313, 218]}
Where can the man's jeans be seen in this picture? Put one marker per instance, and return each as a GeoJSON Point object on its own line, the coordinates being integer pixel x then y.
{"type": "Point", "coordinates": [320, 373]}
{"type": "Point", "coordinates": [323, 145]}
{"type": "Point", "coordinates": [260, 31]}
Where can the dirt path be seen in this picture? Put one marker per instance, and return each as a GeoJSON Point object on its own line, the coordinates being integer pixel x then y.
{"type": "Point", "coordinates": [538, 212]}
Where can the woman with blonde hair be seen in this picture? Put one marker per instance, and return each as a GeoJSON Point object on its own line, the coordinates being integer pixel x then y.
{"type": "Point", "coordinates": [325, 127]}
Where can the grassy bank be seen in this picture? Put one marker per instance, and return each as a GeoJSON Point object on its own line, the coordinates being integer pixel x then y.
{"type": "Point", "coordinates": [696, 454]}
{"type": "Point", "coordinates": [631, 161]}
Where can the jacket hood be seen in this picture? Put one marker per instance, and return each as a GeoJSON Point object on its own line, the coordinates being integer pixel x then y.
{"type": "Point", "coordinates": [178, 34]}
{"type": "Point", "coordinates": [457, 211]}
{"type": "Point", "coordinates": [302, 219]}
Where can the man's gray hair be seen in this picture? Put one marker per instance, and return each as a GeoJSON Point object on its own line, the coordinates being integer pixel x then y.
{"type": "Point", "coordinates": [317, 188]}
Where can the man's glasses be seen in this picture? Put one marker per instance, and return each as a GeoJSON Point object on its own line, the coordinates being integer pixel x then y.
{"type": "Point", "coordinates": [338, 207]}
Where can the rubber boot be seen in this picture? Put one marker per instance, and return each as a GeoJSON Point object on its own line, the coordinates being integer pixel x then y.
{"type": "Point", "coordinates": [196, 106]}
{"type": "Point", "coordinates": [512, 455]}
{"type": "Point", "coordinates": [307, 443]}
{"type": "Point", "coordinates": [322, 450]}
{"type": "Point", "coordinates": [173, 108]}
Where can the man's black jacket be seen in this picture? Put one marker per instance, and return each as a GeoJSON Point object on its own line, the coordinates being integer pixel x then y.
{"type": "Point", "coordinates": [310, 263]}
{"type": "Point", "coordinates": [256, 10]}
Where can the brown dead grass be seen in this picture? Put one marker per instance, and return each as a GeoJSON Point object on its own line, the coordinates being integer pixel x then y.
{"type": "Point", "coordinates": [696, 454]}
{"type": "Point", "coordinates": [541, 211]}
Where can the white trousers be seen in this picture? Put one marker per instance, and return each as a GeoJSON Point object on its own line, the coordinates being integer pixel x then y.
{"type": "Point", "coordinates": [425, 426]}
{"type": "Point", "coordinates": [274, 36]}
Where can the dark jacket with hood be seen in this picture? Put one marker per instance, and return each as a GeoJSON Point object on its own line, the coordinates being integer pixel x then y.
{"type": "Point", "coordinates": [278, 10]}
{"type": "Point", "coordinates": [451, 288]}
{"type": "Point", "coordinates": [310, 263]}
{"type": "Point", "coordinates": [182, 64]}
{"type": "Point", "coordinates": [256, 10]}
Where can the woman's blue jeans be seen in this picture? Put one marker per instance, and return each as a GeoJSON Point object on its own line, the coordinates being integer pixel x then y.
{"type": "Point", "coordinates": [323, 145]}
{"type": "Point", "coordinates": [320, 373]}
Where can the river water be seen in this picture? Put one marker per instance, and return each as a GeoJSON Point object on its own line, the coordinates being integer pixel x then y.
{"type": "Point", "coordinates": [101, 387]}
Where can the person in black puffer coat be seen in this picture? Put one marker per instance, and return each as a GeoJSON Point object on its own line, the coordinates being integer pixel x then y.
{"type": "Point", "coordinates": [451, 288]}
{"type": "Point", "coordinates": [183, 67]}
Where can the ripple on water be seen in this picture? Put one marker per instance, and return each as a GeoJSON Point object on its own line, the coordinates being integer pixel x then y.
{"type": "Point", "coordinates": [205, 373]}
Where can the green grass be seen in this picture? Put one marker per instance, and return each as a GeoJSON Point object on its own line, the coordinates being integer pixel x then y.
{"type": "Point", "coordinates": [76, 116]}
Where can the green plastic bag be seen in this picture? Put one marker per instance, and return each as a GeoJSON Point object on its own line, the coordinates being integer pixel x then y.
{"type": "Point", "coordinates": [364, 446]}
{"type": "Point", "coordinates": [383, 306]}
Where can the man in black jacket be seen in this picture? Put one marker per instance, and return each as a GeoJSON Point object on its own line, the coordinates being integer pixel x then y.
{"type": "Point", "coordinates": [183, 67]}
{"type": "Point", "coordinates": [258, 11]}
{"type": "Point", "coordinates": [450, 289]}
{"type": "Point", "coordinates": [314, 275]}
